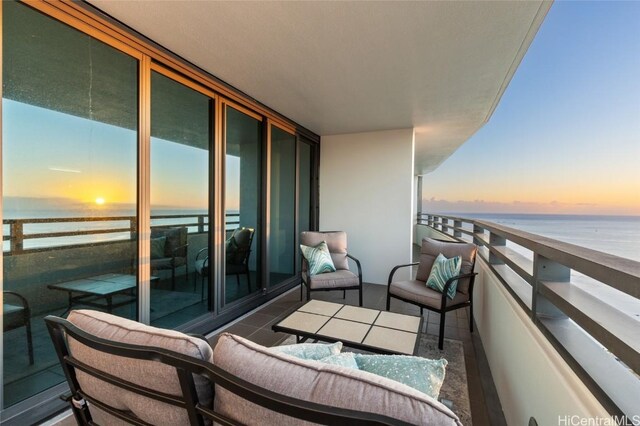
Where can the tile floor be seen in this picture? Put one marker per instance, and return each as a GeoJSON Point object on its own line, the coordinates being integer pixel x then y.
{"type": "Point", "coordinates": [485, 406]}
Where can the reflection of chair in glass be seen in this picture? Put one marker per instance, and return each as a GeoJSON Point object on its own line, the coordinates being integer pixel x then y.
{"type": "Point", "coordinates": [169, 250]}
{"type": "Point", "coordinates": [15, 315]}
{"type": "Point", "coordinates": [237, 251]}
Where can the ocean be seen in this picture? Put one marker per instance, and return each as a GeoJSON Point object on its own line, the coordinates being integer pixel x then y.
{"type": "Point", "coordinates": [617, 235]}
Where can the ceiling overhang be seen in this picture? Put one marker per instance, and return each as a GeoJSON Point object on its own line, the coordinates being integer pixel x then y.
{"type": "Point", "coordinates": [347, 67]}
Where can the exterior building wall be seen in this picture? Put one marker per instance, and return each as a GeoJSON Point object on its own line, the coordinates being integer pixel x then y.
{"type": "Point", "coordinates": [531, 378]}
{"type": "Point", "coordinates": [366, 189]}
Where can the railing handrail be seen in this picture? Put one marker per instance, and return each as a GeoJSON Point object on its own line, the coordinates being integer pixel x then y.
{"type": "Point", "coordinates": [562, 306]}
{"type": "Point", "coordinates": [598, 265]}
{"type": "Point", "coordinates": [17, 236]}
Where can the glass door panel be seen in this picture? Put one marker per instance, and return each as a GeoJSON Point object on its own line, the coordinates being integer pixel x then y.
{"type": "Point", "coordinates": [70, 143]}
{"type": "Point", "coordinates": [180, 176]}
{"type": "Point", "coordinates": [243, 181]}
{"type": "Point", "coordinates": [304, 193]}
{"type": "Point", "coordinates": [282, 210]}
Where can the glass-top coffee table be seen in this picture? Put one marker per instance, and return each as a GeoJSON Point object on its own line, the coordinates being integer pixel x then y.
{"type": "Point", "coordinates": [361, 328]}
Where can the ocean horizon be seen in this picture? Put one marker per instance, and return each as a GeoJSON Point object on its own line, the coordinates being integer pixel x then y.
{"type": "Point", "coordinates": [614, 234]}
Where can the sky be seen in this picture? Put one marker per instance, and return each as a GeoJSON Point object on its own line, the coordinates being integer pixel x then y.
{"type": "Point", "coordinates": [565, 137]}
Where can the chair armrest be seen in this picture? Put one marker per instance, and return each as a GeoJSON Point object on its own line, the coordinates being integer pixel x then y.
{"type": "Point", "coordinates": [23, 300]}
{"type": "Point", "coordinates": [204, 250]}
{"type": "Point", "coordinates": [395, 268]}
{"type": "Point", "coordinates": [450, 281]}
{"type": "Point", "coordinates": [175, 250]}
{"type": "Point", "coordinates": [357, 264]}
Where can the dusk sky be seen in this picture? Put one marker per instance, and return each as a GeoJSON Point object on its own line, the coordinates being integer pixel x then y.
{"type": "Point", "coordinates": [565, 137]}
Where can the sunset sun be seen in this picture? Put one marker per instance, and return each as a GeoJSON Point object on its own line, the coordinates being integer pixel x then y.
{"type": "Point", "coordinates": [99, 201]}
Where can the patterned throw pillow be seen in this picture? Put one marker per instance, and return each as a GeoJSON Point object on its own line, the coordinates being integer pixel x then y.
{"type": "Point", "coordinates": [442, 270]}
{"type": "Point", "coordinates": [319, 258]}
{"type": "Point", "coordinates": [314, 351]}
{"type": "Point", "coordinates": [344, 359]}
{"type": "Point", "coordinates": [425, 375]}
{"type": "Point", "coordinates": [157, 247]}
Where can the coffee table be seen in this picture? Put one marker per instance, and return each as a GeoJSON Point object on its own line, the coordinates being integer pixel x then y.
{"type": "Point", "coordinates": [104, 286]}
{"type": "Point", "coordinates": [360, 328]}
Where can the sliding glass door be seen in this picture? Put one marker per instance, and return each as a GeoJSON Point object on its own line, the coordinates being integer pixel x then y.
{"type": "Point", "coordinates": [69, 151]}
{"type": "Point", "coordinates": [243, 204]}
{"type": "Point", "coordinates": [282, 206]}
{"type": "Point", "coordinates": [181, 136]}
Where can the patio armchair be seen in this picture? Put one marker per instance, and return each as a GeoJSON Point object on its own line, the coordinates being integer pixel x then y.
{"type": "Point", "coordinates": [120, 370]}
{"type": "Point", "coordinates": [16, 315]}
{"type": "Point", "coordinates": [237, 252]}
{"type": "Point", "coordinates": [416, 291]}
{"type": "Point", "coordinates": [342, 279]}
{"type": "Point", "coordinates": [175, 251]}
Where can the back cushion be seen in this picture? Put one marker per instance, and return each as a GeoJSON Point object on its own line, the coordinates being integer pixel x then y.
{"type": "Point", "coordinates": [316, 382]}
{"type": "Point", "coordinates": [336, 241]}
{"type": "Point", "coordinates": [150, 374]}
{"type": "Point", "coordinates": [432, 248]}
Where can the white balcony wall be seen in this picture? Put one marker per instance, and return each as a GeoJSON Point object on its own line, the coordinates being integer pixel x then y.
{"type": "Point", "coordinates": [531, 378]}
{"type": "Point", "coordinates": [366, 189]}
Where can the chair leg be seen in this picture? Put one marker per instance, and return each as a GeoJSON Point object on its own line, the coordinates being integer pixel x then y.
{"type": "Point", "coordinates": [344, 294]}
{"type": "Point", "coordinates": [360, 296]}
{"type": "Point", "coordinates": [308, 293]}
{"type": "Point", "coordinates": [29, 341]}
{"type": "Point", "coordinates": [471, 318]}
{"type": "Point", "coordinates": [441, 336]}
{"type": "Point", "coordinates": [388, 300]}
{"type": "Point", "coordinates": [421, 311]}
{"type": "Point", "coordinates": [238, 279]}
{"type": "Point", "coordinates": [202, 288]}
{"type": "Point", "coordinates": [301, 290]}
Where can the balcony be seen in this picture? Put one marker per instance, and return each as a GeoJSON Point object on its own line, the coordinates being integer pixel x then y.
{"type": "Point", "coordinates": [201, 118]}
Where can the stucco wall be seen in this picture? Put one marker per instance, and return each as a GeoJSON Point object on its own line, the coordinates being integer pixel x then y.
{"type": "Point", "coordinates": [531, 378]}
{"type": "Point", "coordinates": [366, 189]}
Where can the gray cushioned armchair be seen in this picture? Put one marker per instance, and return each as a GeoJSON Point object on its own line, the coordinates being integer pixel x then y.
{"type": "Point", "coordinates": [342, 279]}
{"type": "Point", "coordinates": [416, 291]}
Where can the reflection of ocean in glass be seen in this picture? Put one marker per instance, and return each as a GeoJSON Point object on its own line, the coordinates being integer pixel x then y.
{"type": "Point", "coordinates": [120, 220]}
{"type": "Point", "coordinates": [617, 235]}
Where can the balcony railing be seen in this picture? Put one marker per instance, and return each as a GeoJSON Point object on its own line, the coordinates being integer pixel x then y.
{"type": "Point", "coordinates": [585, 302]}
{"type": "Point", "coordinates": [47, 233]}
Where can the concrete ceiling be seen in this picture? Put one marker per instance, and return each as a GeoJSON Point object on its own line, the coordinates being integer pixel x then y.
{"type": "Point", "coordinates": [346, 67]}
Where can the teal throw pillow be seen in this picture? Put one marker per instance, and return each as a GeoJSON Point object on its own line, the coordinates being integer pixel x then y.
{"type": "Point", "coordinates": [314, 351]}
{"type": "Point", "coordinates": [157, 247]}
{"type": "Point", "coordinates": [344, 359]}
{"type": "Point", "coordinates": [319, 258]}
{"type": "Point", "coordinates": [443, 269]}
{"type": "Point", "coordinates": [425, 375]}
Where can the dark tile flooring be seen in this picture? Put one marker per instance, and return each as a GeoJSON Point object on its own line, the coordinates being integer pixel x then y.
{"type": "Point", "coordinates": [485, 406]}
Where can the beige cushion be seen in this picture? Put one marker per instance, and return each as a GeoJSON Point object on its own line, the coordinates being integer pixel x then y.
{"type": "Point", "coordinates": [335, 279]}
{"type": "Point", "coordinates": [336, 241]}
{"type": "Point", "coordinates": [417, 291]}
{"type": "Point", "coordinates": [150, 374]}
{"type": "Point", "coordinates": [316, 382]}
{"type": "Point", "coordinates": [432, 248]}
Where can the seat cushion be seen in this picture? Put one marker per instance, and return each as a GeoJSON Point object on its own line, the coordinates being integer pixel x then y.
{"type": "Point", "coordinates": [431, 248]}
{"type": "Point", "coordinates": [313, 381]}
{"type": "Point", "coordinates": [336, 241]}
{"type": "Point", "coordinates": [335, 279]}
{"type": "Point", "coordinates": [417, 291]}
{"type": "Point", "coordinates": [150, 374]}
